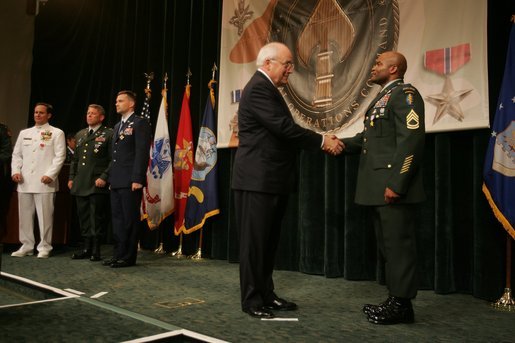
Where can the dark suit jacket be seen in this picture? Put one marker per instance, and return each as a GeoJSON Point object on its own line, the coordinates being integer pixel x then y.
{"type": "Point", "coordinates": [130, 153]}
{"type": "Point", "coordinates": [391, 146]}
{"type": "Point", "coordinates": [268, 140]}
{"type": "Point", "coordinates": [90, 161]}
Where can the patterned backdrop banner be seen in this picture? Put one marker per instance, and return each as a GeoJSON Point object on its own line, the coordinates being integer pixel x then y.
{"type": "Point", "coordinates": [335, 44]}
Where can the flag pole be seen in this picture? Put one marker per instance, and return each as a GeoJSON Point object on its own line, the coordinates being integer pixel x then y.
{"type": "Point", "coordinates": [506, 302]}
{"type": "Point", "coordinates": [198, 254]}
{"type": "Point", "coordinates": [161, 250]}
{"type": "Point", "coordinates": [178, 253]}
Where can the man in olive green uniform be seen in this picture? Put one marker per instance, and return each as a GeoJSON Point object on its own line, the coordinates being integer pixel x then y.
{"type": "Point", "coordinates": [88, 181]}
{"type": "Point", "coordinates": [390, 181]}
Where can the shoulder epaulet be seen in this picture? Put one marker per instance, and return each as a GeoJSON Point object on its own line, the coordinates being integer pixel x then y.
{"type": "Point", "coordinates": [408, 88]}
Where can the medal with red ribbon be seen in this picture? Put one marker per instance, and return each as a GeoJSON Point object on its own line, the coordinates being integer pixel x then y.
{"type": "Point", "coordinates": [447, 60]}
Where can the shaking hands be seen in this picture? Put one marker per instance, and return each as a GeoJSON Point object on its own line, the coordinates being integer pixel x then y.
{"type": "Point", "coordinates": [332, 145]}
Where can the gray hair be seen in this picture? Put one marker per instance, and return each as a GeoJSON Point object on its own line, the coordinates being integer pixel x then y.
{"type": "Point", "coordinates": [99, 108]}
{"type": "Point", "coordinates": [267, 52]}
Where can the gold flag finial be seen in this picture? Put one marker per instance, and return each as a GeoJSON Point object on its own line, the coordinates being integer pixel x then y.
{"type": "Point", "coordinates": [211, 84]}
{"type": "Point", "coordinates": [165, 80]}
{"type": "Point", "coordinates": [512, 18]}
{"type": "Point", "coordinates": [214, 70]}
{"type": "Point", "coordinates": [188, 75]}
{"type": "Point", "coordinates": [149, 77]}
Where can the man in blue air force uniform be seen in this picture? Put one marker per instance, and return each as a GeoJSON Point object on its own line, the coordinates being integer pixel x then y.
{"type": "Point", "coordinates": [127, 176]}
{"type": "Point", "coordinates": [390, 181]}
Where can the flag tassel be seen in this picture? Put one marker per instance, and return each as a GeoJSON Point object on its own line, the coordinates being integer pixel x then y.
{"type": "Point", "coordinates": [506, 302]}
{"type": "Point", "coordinates": [178, 253]}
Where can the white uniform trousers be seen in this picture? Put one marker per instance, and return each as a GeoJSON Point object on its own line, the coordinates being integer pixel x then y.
{"type": "Point", "coordinates": [43, 205]}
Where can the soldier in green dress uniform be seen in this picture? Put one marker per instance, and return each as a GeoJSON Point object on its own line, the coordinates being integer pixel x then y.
{"type": "Point", "coordinates": [88, 181]}
{"type": "Point", "coordinates": [390, 181]}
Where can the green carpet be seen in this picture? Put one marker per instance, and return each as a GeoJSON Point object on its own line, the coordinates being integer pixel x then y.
{"type": "Point", "coordinates": [161, 293]}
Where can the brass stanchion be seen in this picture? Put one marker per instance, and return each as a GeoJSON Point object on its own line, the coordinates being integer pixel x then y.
{"type": "Point", "coordinates": [178, 253]}
{"type": "Point", "coordinates": [198, 255]}
{"type": "Point", "coordinates": [506, 303]}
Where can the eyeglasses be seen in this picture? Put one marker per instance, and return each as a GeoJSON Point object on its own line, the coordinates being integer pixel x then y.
{"type": "Point", "coordinates": [288, 65]}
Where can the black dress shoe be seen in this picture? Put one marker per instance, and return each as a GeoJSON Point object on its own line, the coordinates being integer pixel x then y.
{"type": "Point", "coordinates": [80, 255]}
{"type": "Point", "coordinates": [398, 311]}
{"type": "Point", "coordinates": [259, 312]}
{"type": "Point", "coordinates": [121, 264]}
{"type": "Point", "coordinates": [369, 309]}
{"type": "Point", "coordinates": [281, 305]}
{"type": "Point", "coordinates": [95, 258]}
{"type": "Point", "coordinates": [108, 262]}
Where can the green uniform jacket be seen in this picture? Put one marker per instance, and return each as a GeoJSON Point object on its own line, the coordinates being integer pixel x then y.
{"type": "Point", "coordinates": [391, 146]}
{"type": "Point", "coordinates": [91, 161]}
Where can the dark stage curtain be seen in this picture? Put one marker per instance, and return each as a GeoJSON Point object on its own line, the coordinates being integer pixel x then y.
{"type": "Point", "coordinates": [87, 50]}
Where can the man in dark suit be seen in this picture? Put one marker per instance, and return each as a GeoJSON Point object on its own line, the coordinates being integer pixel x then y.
{"type": "Point", "coordinates": [127, 176]}
{"type": "Point", "coordinates": [88, 181]}
{"type": "Point", "coordinates": [263, 175]}
{"type": "Point", "coordinates": [71, 144]}
{"type": "Point", "coordinates": [390, 181]}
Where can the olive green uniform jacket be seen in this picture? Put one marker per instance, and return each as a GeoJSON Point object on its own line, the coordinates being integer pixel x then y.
{"type": "Point", "coordinates": [91, 161]}
{"type": "Point", "coordinates": [391, 146]}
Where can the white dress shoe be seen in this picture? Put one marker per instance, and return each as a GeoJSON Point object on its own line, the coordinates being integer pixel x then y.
{"type": "Point", "coordinates": [21, 253]}
{"type": "Point", "coordinates": [43, 255]}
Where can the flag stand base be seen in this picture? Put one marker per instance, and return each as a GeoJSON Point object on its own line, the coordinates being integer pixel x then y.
{"type": "Point", "coordinates": [505, 303]}
{"type": "Point", "coordinates": [178, 253]}
{"type": "Point", "coordinates": [160, 250]}
{"type": "Point", "coordinates": [197, 256]}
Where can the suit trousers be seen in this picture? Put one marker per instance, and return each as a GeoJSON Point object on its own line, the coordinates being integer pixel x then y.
{"type": "Point", "coordinates": [125, 213]}
{"type": "Point", "coordinates": [258, 217]}
{"type": "Point", "coordinates": [396, 241]}
{"type": "Point", "coordinates": [43, 205]}
{"type": "Point", "coordinates": [92, 210]}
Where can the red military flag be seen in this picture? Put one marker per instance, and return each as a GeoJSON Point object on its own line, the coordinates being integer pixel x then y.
{"type": "Point", "coordinates": [183, 162]}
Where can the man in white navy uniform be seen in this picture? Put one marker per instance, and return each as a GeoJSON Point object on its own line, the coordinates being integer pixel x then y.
{"type": "Point", "coordinates": [38, 156]}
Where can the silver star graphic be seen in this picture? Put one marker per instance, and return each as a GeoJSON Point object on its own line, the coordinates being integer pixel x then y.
{"type": "Point", "coordinates": [448, 101]}
{"type": "Point", "coordinates": [513, 99]}
{"type": "Point", "coordinates": [494, 134]}
{"type": "Point", "coordinates": [501, 106]}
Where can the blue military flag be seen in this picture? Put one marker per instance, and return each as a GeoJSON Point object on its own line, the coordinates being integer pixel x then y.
{"type": "Point", "coordinates": [499, 171]}
{"type": "Point", "coordinates": [203, 192]}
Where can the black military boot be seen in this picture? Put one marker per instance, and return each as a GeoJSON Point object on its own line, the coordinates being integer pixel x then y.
{"type": "Point", "coordinates": [398, 310]}
{"type": "Point", "coordinates": [84, 253]}
{"type": "Point", "coordinates": [369, 309]}
{"type": "Point", "coordinates": [95, 252]}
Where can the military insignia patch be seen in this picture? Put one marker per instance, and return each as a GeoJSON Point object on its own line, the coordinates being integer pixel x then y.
{"type": "Point", "coordinates": [412, 120]}
{"type": "Point", "coordinates": [504, 151]}
{"type": "Point", "coordinates": [409, 99]}
{"type": "Point", "coordinates": [407, 164]}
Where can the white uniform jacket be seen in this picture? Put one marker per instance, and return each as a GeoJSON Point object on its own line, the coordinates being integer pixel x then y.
{"type": "Point", "coordinates": [39, 150]}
